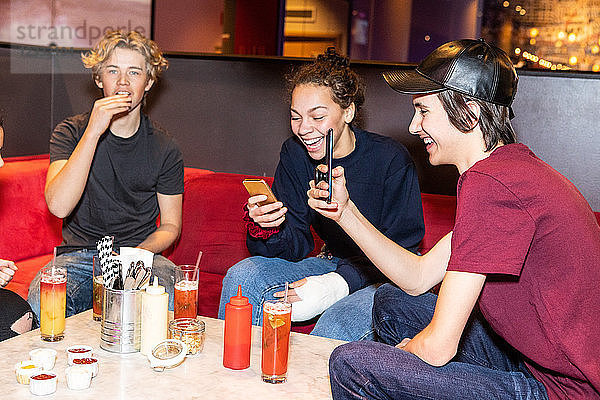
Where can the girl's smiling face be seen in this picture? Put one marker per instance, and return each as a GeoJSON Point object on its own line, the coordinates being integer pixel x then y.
{"type": "Point", "coordinates": [313, 112]}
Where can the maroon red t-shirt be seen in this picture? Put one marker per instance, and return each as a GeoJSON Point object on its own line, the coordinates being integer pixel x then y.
{"type": "Point", "coordinates": [531, 232]}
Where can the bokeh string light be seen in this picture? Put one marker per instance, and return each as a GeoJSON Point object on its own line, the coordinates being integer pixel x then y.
{"type": "Point", "coordinates": [541, 62]}
{"type": "Point", "coordinates": [554, 35]}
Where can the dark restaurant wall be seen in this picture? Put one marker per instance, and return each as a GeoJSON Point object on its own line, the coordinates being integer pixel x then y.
{"type": "Point", "coordinates": [230, 114]}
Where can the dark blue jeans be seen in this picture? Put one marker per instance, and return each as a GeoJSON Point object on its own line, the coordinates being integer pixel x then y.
{"type": "Point", "coordinates": [485, 366]}
{"type": "Point", "coordinates": [260, 277]}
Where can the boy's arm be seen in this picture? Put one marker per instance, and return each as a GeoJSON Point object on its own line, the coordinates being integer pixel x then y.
{"type": "Point", "coordinates": [438, 342]}
{"type": "Point", "coordinates": [66, 179]}
{"type": "Point", "coordinates": [170, 224]}
{"type": "Point", "coordinates": [412, 273]}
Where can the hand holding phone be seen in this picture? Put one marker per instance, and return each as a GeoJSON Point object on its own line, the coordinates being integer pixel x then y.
{"type": "Point", "coordinates": [328, 160]}
{"type": "Point", "coordinates": [272, 215]}
{"type": "Point", "coordinates": [259, 186]}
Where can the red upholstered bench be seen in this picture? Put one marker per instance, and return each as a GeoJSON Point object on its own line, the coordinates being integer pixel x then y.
{"type": "Point", "coordinates": [212, 223]}
{"type": "Point", "coordinates": [28, 231]}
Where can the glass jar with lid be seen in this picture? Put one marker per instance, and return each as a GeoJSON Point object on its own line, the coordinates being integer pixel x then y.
{"type": "Point", "coordinates": [190, 331]}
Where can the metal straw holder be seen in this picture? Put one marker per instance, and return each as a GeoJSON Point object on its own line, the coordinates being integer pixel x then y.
{"type": "Point", "coordinates": [120, 330]}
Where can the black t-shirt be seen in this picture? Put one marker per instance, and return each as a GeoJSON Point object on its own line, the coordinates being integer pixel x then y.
{"type": "Point", "coordinates": [120, 196]}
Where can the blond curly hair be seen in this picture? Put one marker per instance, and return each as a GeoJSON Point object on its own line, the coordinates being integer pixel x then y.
{"type": "Point", "coordinates": [95, 58]}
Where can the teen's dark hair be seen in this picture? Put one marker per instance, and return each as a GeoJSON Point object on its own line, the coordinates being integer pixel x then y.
{"type": "Point", "coordinates": [332, 70]}
{"type": "Point", "coordinates": [1, 119]}
{"type": "Point", "coordinates": [494, 119]}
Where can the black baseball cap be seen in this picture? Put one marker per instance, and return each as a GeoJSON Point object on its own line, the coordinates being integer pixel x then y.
{"type": "Point", "coordinates": [472, 67]}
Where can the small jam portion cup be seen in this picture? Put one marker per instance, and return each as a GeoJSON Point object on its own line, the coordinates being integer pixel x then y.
{"type": "Point", "coordinates": [89, 362]}
{"type": "Point", "coordinates": [79, 377]}
{"type": "Point", "coordinates": [44, 358]}
{"type": "Point", "coordinates": [43, 384]}
{"type": "Point", "coordinates": [79, 351]}
{"type": "Point", "coordinates": [24, 370]}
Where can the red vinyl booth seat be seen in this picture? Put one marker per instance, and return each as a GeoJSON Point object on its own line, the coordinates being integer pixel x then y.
{"type": "Point", "coordinates": [212, 223]}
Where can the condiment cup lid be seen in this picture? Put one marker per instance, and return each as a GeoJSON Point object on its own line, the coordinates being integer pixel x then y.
{"type": "Point", "coordinates": [79, 348]}
{"type": "Point", "coordinates": [40, 351]}
{"type": "Point", "coordinates": [44, 376]}
{"type": "Point", "coordinates": [78, 369]}
{"type": "Point", "coordinates": [167, 354]}
{"type": "Point", "coordinates": [27, 364]}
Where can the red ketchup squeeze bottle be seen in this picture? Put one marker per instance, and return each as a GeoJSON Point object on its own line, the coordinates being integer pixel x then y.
{"type": "Point", "coordinates": [238, 332]}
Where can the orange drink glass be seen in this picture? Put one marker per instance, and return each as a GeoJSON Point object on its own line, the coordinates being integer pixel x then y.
{"type": "Point", "coordinates": [185, 302]}
{"type": "Point", "coordinates": [277, 320]}
{"type": "Point", "coordinates": [53, 301]}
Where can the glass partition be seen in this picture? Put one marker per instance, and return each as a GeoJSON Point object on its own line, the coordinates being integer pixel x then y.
{"type": "Point", "coordinates": [538, 34]}
{"type": "Point", "coordinates": [70, 23]}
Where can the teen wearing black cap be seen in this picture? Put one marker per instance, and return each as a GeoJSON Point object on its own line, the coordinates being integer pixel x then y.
{"type": "Point", "coordinates": [516, 315]}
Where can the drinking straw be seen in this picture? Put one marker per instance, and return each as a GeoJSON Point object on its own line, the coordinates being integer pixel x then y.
{"type": "Point", "coordinates": [198, 260]}
{"type": "Point", "coordinates": [285, 300]}
{"type": "Point", "coordinates": [53, 260]}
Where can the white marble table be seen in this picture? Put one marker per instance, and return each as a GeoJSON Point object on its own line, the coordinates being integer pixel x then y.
{"type": "Point", "coordinates": [129, 376]}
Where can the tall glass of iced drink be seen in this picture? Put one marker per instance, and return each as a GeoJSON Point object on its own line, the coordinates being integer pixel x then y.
{"type": "Point", "coordinates": [53, 300]}
{"type": "Point", "coordinates": [186, 291]}
{"type": "Point", "coordinates": [275, 340]}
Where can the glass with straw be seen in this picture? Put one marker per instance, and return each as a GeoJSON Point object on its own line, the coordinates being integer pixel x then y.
{"type": "Point", "coordinates": [53, 301]}
{"type": "Point", "coordinates": [277, 320]}
{"type": "Point", "coordinates": [186, 290]}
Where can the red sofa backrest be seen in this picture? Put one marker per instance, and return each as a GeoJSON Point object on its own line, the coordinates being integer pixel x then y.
{"type": "Point", "coordinates": [213, 211]}
{"type": "Point", "coordinates": [27, 228]}
{"type": "Point", "coordinates": [212, 223]}
{"type": "Point", "coordinates": [212, 216]}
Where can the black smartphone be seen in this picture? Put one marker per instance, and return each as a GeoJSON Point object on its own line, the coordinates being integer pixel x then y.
{"type": "Point", "coordinates": [328, 160]}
